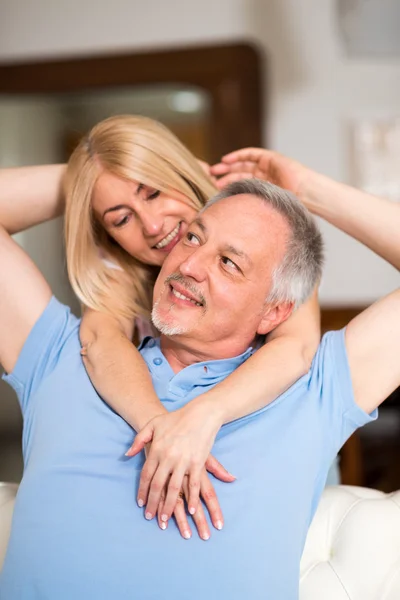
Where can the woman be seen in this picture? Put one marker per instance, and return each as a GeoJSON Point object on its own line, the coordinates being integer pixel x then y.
{"type": "Point", "coordinates": [131, 191]}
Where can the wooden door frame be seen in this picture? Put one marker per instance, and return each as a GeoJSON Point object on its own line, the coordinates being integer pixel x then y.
{"type": "Point", "coordinates": [231, 74]}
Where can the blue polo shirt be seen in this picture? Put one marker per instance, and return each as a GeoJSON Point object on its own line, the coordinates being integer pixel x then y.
{"type": "Point", "coordinates": [77, 532]}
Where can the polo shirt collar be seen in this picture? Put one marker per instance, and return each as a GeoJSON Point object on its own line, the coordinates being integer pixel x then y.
{"type": "Point", "coordinates": [205, 373]}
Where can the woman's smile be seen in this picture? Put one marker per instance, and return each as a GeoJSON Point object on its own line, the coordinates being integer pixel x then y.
{"type": "Point", "coordinates": [170, 240]}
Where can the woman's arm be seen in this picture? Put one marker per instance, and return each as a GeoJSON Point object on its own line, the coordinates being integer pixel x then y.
{"type": "Point", "coordinates": [270, 371]}
{"type": "Point", "coordinates": [126, 385]}
{"type": "Point", "coordinates": [30, 195]}
{"type": "Point", "coordinates": [122, 379]}
{"type": "Point", "coordinates": [181, 441]}
{"type": "Point", "coordinates": [117, 370]}
{"type": "Point", "coordinates": [191, 431]}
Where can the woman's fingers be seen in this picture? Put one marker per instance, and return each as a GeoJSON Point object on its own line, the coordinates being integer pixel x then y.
{"type": "Point", "coordinates": [199, 516]}
{"type": "Point", "coordinates": [162, 524]}
{"type": "Point", "coordinates": [194, 490]}
{"type": "Point", "coordinates": [141, 439]}
{"type": "Point", "coordinates": [200, 521]}
{"type": "Point", "coordinates": [214, 466]}
{"type": "Point", "coordinates": [181, 519]}
{"type": "Point", "coordinates": [158, 482]}
{"type": "Point", "coordinates": [211, 501]}
{"type": "Point", "coordinates": [173, 489]}
{"type": "Point", "coordinates": [147, 474]}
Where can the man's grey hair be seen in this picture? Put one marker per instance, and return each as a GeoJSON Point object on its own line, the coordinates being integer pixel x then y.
{"type": "Point", "coordinates": [300, 270]}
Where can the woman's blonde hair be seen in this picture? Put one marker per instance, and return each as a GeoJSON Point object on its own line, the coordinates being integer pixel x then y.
{"type": "Point", "coordinates": [133, 148]}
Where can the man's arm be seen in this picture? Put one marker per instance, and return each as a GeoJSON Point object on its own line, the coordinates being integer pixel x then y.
{"type": "Point", "coordinates": [371, 220]}
{"type": "Point", "coordinates": [24, 294]}
{"type": "Point", "coordinates": [30, 195]}
{"type": "Point", "coordinates": [373, 349]}
{"type": "Point", "coordinates": [373, 337]}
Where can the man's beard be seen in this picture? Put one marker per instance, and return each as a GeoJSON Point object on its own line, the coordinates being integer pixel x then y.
{"type": "Point", "coordinates": [162, 326]}
{"type": "Point", "coordinates": [171, 329]}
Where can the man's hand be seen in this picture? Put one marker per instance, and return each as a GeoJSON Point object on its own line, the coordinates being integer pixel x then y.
{"type": "Point", "coordinates": [262, 164]}
{"type": "Point", "coordinates": [180, 445]}
{"type": "Point", "coordinates": [207, 170]}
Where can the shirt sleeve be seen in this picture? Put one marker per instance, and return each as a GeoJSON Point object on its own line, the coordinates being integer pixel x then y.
{"type": "Point", "coordinates": [330, 382]}
{"type": "Point", "coordinates": [42, 349]}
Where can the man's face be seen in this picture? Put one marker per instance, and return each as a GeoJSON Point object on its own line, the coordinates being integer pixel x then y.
{"type": "Point", "coordinates": [213, 285]}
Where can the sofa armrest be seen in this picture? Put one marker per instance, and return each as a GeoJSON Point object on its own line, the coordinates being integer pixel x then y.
{"type": "Point", "coordinates": [353, 546]}
{"type": "Point", "coordinates": [8, 492]}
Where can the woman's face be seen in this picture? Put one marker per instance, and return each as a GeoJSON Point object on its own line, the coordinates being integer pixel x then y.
{"type": "Point", "coordinates": [145, 222]}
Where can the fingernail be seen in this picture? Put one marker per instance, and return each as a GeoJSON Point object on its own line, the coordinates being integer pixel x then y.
{"type": "Point", "coordinates": [140, 503]}
{"type": "Point", "coordinates": [218, 524]}
{"type": "Point", "coordinates": [148, 516]}
{"type": "Point", "coordinates": [164, 518]}
{"type": "Point", "coordinates": [205, 536]}
{"type": "Point", "coordinates": [163, 526]}
{"type": "Point", "coordinates": [187, 535]}
{"type": "Point", "coordinates": [192, 510]}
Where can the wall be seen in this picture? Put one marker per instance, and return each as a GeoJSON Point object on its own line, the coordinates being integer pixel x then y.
{"type": "Point", "coordinates": [29, 134]}
{"type": "Point", "coordinates": [312, 90]}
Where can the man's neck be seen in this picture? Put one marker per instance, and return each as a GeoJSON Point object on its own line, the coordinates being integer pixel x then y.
{"type": "Point", "coordinates": [181, 352]}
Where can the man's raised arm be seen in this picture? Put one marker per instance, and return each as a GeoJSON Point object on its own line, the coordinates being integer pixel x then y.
{"type": "Point", "coordinates": [24, 294]}
{"type": "Point", "coordinates": [372, 338]}
{"type": "Point", "coordinates": [373, 348]}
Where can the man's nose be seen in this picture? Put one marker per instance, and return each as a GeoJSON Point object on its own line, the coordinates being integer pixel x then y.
{"type": "Point", "coordinates": [195, 265]}
{"type": "Point", "coordinates": [152, 221]}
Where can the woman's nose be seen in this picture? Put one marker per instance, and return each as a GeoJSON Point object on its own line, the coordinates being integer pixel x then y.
{"type": "Point", "coordinates": [152, 222]}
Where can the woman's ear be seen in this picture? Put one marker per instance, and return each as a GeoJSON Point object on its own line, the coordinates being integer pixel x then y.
{"type": "Point", "coordinates": [273, 316]}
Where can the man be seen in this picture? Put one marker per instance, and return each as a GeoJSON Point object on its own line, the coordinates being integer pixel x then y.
{"type": "Point", "coordinates": [75, 533]}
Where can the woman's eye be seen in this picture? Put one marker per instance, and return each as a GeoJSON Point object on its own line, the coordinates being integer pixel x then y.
{"type": "Point", "coordinates": [122, 222]}
{"type": "Point", "coordinates": [153, 195]}
{"type": "Point", "coordinates": [193, 239]}
{"type": "Point", "coordinates": [229, 263]}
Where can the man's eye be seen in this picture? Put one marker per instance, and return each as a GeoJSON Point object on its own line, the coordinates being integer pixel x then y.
{"type": "Point", "coordinates": [153, 195]}
{"type": "Point", "coordinates": [192, 239]}
{"type": "Point", "coordinates": [122, 222]}
{"type": "Point", "coordinates": [229, 263]}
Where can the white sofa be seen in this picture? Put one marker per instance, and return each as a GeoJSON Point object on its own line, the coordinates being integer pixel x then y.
{"type": "Point", "coordinates": [352, 550]}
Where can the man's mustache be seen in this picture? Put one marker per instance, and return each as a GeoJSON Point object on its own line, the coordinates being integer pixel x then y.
{"type": "Point", "coordinates": [188, 285]}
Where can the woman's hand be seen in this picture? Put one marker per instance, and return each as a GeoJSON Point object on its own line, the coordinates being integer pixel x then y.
{"type": "Point", "coordinates": [199, 518]}
{"type": "Point", "coordinates": [263, 164]}
{"type": "Point", "coordinates": [180, 445]}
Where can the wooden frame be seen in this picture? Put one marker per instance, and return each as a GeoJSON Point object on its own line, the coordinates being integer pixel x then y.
{"type": "Point", "coordinates": [231, 74]}
{"type": "Point", "coordinates": [333, 317]}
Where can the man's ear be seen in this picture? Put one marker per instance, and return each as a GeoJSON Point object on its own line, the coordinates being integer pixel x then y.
{"type": "Point", "coordinates": [273, 316]}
